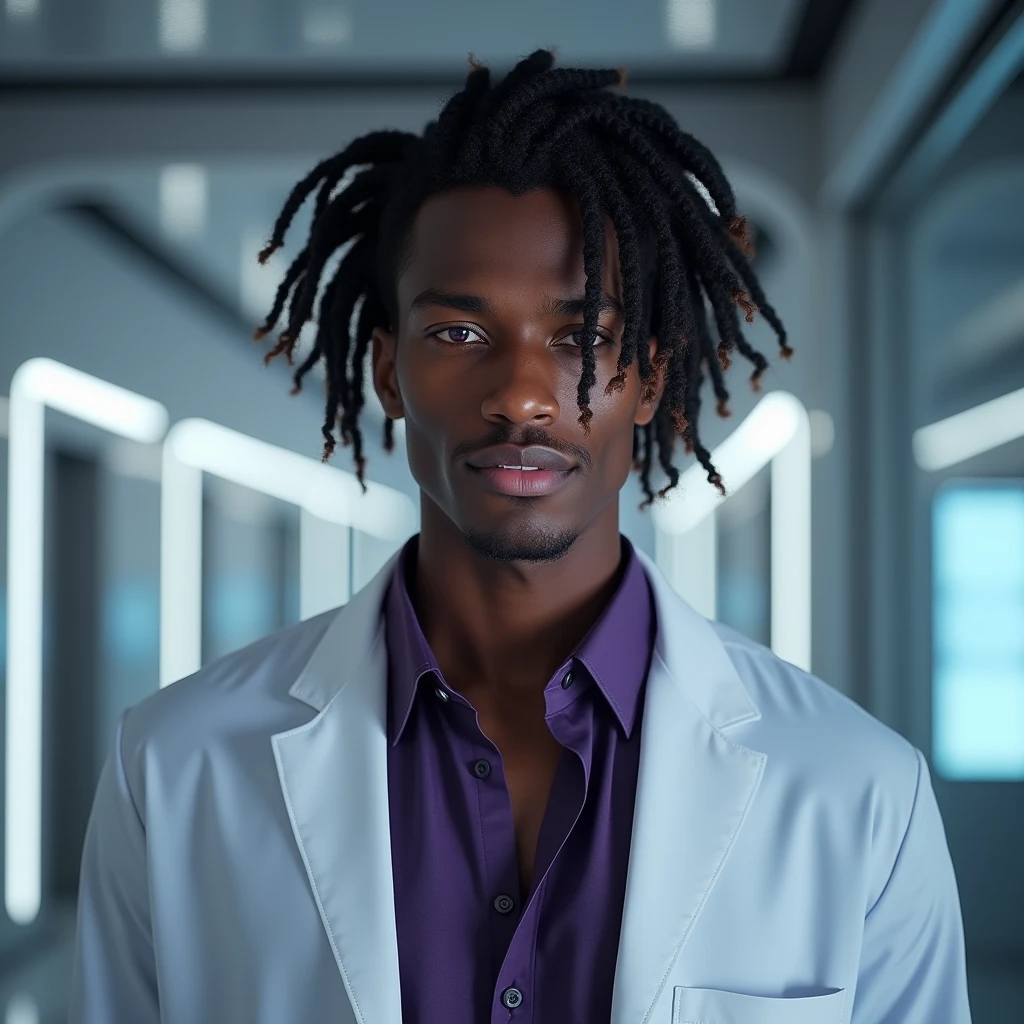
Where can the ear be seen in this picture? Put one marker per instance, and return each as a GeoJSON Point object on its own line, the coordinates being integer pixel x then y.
{"type": "Point", "coordinates": [645, 410]}
{"type": "Point", "coordinates": [385, 373]}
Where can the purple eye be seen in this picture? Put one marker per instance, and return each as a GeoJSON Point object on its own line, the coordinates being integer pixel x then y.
{"type": "Point", "coordinates": [455, 335]}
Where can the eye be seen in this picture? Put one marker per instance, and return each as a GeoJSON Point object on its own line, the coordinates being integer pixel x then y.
{"type": "Point", "coordinates": [459, 335]}
{"type": "Point", "coordinates": [599, 339]}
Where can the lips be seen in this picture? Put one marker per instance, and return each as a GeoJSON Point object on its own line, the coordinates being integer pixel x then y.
{"type": "Point", "coordinates": [529, 457]}
{"type": "Point", "coordinates": [521, 483]}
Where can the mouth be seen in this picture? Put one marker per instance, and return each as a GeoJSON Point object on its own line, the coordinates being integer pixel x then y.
{"type": "Point", "coordinates": [521, 481]}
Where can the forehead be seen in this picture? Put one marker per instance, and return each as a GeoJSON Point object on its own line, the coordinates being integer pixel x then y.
{"type": "Point", "coordinates": [532, 243]}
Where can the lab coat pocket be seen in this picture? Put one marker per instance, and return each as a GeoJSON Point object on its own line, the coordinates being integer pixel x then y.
{"type": "Point", "coordinates": [716, 1006]}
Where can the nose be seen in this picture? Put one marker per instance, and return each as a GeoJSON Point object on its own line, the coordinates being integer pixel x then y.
{"type": "Point", "coordinates": [522, 392]}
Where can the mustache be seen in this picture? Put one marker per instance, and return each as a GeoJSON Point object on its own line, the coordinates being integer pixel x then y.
{"type": "Point", "coordinates": [524, 436]}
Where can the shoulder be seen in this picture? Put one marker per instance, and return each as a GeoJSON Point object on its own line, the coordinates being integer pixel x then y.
{"type": "Point", "coordinates": [824, 747]}
{"type": "Point", "coordinates": [800, 711]}
{"type": "Point", "coordinates": [245, 691]}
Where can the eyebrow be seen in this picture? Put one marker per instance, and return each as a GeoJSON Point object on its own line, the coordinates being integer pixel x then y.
{"type": "Point", "coordinates": [478, 304]}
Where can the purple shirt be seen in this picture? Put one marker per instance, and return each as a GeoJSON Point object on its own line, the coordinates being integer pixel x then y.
{"type": "Point", "coordinates": [468, 950]}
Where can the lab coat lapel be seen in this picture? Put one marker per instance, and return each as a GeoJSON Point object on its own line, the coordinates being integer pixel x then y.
{"type": "Point", "coordinates": [333, 774]}
{"type": "Point", "coordinates": [694, 792]}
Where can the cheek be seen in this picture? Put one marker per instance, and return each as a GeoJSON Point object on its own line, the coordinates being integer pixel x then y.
{"type": "Point", "coordinates": [432, 420]}
{"type": "Point", "coordinates": [426, 425]}
{"type": "Point", "coordinates": [424, 391]}
{"type": "Point", "coordinates": [617, 406]}
{"type": "Point", "coordinates": [611, 432]}
{"type": "Point", "coordinates": [620, 453]}
{"type": "Point", "coordinates": [427, 445]}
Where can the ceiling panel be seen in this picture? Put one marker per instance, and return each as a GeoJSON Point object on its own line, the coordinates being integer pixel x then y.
{"type": "Point", "coordinates": [384, 37]}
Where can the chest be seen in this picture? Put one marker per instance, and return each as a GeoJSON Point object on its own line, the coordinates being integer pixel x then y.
{"type": "Point", "coordinates": [530, 755]}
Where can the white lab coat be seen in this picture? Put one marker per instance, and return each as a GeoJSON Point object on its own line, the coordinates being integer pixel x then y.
{"type": "Point", "coordinates": [788, 861]}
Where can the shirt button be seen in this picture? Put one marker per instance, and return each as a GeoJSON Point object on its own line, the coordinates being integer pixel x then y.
{"type": "Point", "coordinates": [567, 681]}
{"type": "Point", "coordinates": [441, 694]}
{"type": "Point", "coordinates": [511, 998]}
{"type": "Point", "coordinates": [482, 769]}
{"type": "Point", "coordinates": [504, 904]}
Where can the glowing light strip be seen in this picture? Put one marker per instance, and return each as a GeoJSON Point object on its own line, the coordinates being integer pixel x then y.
{"type": "Point", "coordinates": [22, 1008]}
{"type": "Point", "coordinates": [36, 384]}
{"type": "Point", "coordinates": [691, 24]}
{"type": "Point", "coordinates": [182, 25]}
{"type": "Point", "coordinates": [195, 446]}
{"type": "Point", "coordinates": [184, 200]}
{"type": "Point", "coordinates": [777, 431]}
{"type": "Point", "coordinates": [969, 433]}
{"type": "Point", "coordinates": [22, 10]}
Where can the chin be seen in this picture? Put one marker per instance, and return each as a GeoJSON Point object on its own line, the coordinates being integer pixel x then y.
{"type": "Point", "coordinates": [522, 542]}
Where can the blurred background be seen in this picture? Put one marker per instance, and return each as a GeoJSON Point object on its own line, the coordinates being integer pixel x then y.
{"type": "Point", "coordinates": [165, 503]}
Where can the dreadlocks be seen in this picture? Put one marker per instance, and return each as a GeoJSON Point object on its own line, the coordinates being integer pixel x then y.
{"type": "Point", "coordinates": [682, 246]}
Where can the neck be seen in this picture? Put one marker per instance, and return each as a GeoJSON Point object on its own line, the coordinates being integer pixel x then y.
{"type": "Point", "coordinates": [499, 630]}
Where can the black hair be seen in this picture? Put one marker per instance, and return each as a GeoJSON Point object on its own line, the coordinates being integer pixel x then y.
{"type": "Point", "coordinates": [539, 126]}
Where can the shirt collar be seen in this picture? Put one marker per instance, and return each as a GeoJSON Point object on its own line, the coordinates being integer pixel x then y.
{"type": "Point", "coordinates": [615, 653]}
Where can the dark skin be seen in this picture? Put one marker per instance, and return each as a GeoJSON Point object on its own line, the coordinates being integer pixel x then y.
{"type": "Point", "coordinates": [506, 587]}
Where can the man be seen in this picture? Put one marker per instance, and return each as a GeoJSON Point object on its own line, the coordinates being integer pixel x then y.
{"type": "Point", "coordinates": [517, 778]}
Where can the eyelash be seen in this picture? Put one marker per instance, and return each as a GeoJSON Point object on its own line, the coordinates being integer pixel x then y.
{"type": "Point", "coordinates": [465, 327]}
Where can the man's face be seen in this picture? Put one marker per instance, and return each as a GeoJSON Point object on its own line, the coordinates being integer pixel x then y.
{"type": "Point", "coordinates": [484, 357]}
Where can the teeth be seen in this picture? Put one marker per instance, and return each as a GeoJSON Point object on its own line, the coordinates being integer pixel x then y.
{"type": "Point", "coordinates": [529, 469]}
